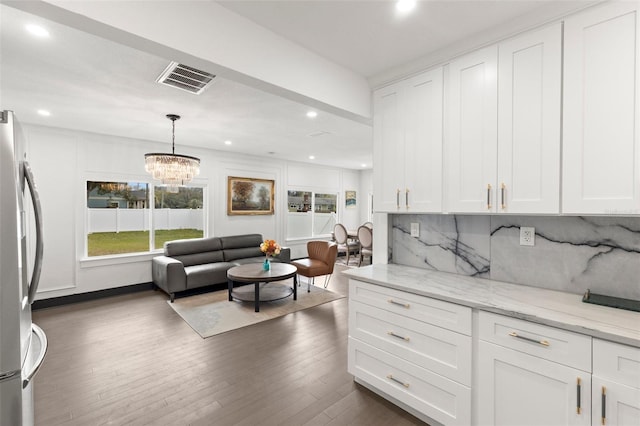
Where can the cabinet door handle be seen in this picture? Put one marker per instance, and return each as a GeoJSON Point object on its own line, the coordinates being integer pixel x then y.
{"type": "Point", "coordinates": [604, 405]}
{"type": "Point", "coordinates": [503, 187]}
{"type": "Point", "coordinates": [398, 198]}
{"type": "Point", "coordinates": [579, 397]}
{"type": "Point", "coordinates": [390, 377]}
{"type": "Point", "coordinates": [529, 339]}
{"type": "Point", "coordinates": [488, 196]}
{"type": "Point", "coordinates": [406, 198]}
{"type": "Point", "coordinates": [393, 302]}
{"type": "Point", "coordinates": [391, 333]}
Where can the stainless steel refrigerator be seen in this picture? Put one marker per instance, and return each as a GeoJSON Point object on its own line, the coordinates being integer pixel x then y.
{"type": "Point", "coordinates": [22, 344]}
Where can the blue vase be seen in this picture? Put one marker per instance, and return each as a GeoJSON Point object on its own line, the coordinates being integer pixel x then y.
{"type": "Point", "coordinates": [266, 265]}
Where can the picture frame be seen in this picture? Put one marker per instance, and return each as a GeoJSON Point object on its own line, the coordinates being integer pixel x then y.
{"type": "Point", "coordinates": [350, 199]}
{"type": "Point", "coordinates": [250, 196]}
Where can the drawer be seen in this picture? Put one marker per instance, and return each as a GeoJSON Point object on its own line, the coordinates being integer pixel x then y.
{"type": "Point", "coordinates": [616, 362]}
{"type": "Point", "coordinates": [437, 397]}
{"type": "Point", "coordinates": [442, 351]}
{"type": "Point", "coordinates": [436, 312]}
{"type": "Point", "coordinates": [553, 344]}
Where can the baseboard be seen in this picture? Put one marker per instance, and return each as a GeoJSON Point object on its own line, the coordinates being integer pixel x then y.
{"type": "Point", "coordinates": [92, 295]}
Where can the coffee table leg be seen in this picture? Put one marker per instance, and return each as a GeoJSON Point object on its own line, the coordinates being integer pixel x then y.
{"type": "Point", "coordinates": [230, 283]}
{"type": "Point", "coordinates": [295, 287]}
{"type": "Point", "coordinates": [257, 296]}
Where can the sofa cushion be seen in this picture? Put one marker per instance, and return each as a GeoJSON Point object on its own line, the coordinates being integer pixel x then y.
{"type": "Point", "coordinates": [195, 251]}
{"type": "Point", "coordinates": [207, 274]}
{"type": "Point", "coordinates": [241, 246]}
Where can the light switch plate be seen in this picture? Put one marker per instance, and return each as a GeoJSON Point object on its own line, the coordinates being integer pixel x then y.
{"type": "Point", "coordinates": [415, 229]}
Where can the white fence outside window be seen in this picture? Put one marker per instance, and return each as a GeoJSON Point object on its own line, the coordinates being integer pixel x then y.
{"type": "Point", "coordinates": [120, 220]}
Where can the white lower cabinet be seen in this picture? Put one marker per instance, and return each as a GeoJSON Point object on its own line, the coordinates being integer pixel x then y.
{"type": "Point", "coordinates": [404, 346]}
{"type": "Point", "coordinates": [616, 384]}
{"type": "Point", "coordinates": [445, 363]}
{"type": "Point", "coordinates": [530, 374]}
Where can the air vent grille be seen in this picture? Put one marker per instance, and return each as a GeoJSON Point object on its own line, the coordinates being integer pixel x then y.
{"type": "Point", "coordinates": [185, 78]}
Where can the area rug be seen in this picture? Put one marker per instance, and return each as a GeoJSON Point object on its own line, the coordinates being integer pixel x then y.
{"type": "Point", "coordinates": [212, 313]}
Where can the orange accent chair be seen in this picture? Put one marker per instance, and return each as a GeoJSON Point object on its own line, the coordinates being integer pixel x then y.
{"type": "Point", "coordinates": [320, 261]}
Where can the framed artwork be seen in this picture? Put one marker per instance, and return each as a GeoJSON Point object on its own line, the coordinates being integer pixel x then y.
{"type": "Point", "coordinates": [249, 196]}
{"type": "Point", "coordinates": [350, 199]}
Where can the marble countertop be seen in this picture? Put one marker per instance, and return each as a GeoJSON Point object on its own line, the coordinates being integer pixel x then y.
{"type": "Point", "coordinates": [554, 308]}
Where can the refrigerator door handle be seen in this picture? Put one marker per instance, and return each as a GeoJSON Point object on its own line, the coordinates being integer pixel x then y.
{"type": "Point", "coordinates": [43, 351]}
{"type": "Point", "coordinates": [37, 209]}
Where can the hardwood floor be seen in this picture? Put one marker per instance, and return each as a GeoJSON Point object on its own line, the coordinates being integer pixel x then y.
{"type": "Point", "coordinates": [131, 360]}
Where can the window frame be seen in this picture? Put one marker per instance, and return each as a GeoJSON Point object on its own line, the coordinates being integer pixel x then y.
{"type": "Point", "coordinates": [314, 192]}
{"type": "Point", "coordinates": [108, 259]}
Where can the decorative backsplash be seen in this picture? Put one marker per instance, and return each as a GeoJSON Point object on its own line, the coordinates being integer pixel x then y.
{"type": "Point", "coordinates": [570, 254]}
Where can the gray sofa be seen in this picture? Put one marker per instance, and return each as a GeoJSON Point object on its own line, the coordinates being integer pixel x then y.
{"type": "Point", "coordinates": [200, 262]}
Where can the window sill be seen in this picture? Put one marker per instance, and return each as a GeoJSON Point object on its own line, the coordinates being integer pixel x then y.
{"type": "Point", "coordinates": [118, 259]}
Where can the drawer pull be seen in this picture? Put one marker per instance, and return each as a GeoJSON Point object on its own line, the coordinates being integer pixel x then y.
{"type": "Point", "coordinates": [391, 333]}
{"type": "Point", "coordinates": [390, 377]}
{"type": "Point", "coordinates": [604, 405]}
{"type": "Point", "coordinates": [579, 398]}
{"type": "Point", "coordinates": [404, 305]}
{"type": "Point", "coordinates": [528, 339]}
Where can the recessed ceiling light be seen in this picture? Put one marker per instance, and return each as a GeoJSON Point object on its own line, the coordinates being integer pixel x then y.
{"type": "Point", "coordinates": [44, 112]}
{"type": "Point", "coordinates": [312, 157]}
{"type": "Point", "coordinates": [228, 142]}
{"type": "Point", "coordinates": [312, 114]}
{"type": "Point", "coordinates": [363, 165]}
{"type": "Point", "coordinates": [405, 5]}
{"type": "Point", "coordinates": [37, 30]}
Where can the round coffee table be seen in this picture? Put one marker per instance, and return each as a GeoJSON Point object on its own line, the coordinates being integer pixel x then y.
{"type": "Point", "coordinates": [253, 273]}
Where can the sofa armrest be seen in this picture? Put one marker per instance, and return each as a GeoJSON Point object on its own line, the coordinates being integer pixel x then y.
{"type": "Point", "coordinates": [168, 274]}
{"type": "Point", "coordinates": [285, 255]}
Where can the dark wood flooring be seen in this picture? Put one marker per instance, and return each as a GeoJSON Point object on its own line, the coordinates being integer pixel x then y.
{"type": "Point", "coordinates": [131, 360]}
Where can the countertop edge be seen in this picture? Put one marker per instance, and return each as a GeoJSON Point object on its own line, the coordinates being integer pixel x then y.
{"type": "Point", "coordinates": [554, 308]}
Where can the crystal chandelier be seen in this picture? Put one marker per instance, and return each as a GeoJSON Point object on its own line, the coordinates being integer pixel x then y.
{"type": "Point", "coordinates": [173, 170]}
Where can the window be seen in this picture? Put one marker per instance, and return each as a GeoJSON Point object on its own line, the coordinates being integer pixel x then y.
{"type": "Point", "coordinates": [177, 216]}
{"type": "Point", "coordinates": [310, 214]}
{"type": "Point", "coordinates": [119, 219]}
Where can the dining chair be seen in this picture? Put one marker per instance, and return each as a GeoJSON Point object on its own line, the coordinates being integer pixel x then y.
{"type": "Point", "coordinates": [345, 244]}
{"type": "Point", "coordinates": [320, 261]}
{"type": "Point", "coordinates": [368, 225]}
{"type": "Point", "coordinates": [365, 236]}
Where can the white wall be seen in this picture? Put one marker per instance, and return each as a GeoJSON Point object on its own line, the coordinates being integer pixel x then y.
{"type": "Point", "coordinates": [63, 160]}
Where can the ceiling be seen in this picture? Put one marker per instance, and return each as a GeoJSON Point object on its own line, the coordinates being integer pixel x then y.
{"type": "Point", "coordinates": [96, 85]}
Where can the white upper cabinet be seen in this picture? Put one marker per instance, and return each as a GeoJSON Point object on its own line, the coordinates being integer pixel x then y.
{"type": "Point", "coordinates": [529, 128]}
{"type": "Point", "coordinates": [514, 87]}
{"type": "Point", "coordinates": [408, 145]}
{"type": "Point", "coordinates": [471, 142]}
{"type": "Point", "coordinates": [601, 151]}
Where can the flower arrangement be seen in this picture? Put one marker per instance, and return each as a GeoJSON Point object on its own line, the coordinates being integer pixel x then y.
{"type": "Point", "coordinates": [270, 248]}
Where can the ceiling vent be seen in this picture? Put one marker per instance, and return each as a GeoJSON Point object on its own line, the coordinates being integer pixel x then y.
{"type": "Point", "coordinates": [319, 133]}
{"type": "Point", "coordinates": [185, 78]}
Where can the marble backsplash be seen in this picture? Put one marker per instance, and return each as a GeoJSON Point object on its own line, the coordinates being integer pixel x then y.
{"type": "Point", "coordinates": [571, 254]}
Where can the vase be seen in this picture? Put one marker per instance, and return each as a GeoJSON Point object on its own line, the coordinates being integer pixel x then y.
{"type": "Point", "coordinates": [267, 264]}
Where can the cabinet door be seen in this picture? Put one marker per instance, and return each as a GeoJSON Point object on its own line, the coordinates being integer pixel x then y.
{"type": "Point", "coordinates": [471, 143]}
{"type": "Point", "coordinates": [614, 404]}
{"type": "Point", "coordinates": [423, 143]}
{"type": "Point", "coordinates": [601, 111]}
{"type": "Point", "coordinates": [519, 389]}
{"type": "Point", "coordinates": [529, 101]}
{"type": "Point", "coordinates": [388, 148]}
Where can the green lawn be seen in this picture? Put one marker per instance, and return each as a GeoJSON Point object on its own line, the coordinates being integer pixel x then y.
{"type": "Point", "coordinates": [103, 243]}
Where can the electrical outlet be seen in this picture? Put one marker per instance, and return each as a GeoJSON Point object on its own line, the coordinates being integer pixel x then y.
{"type": "Point", "coordinates": [527, 236]}
{"type": "Point", "coordinates": [415, 229]}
